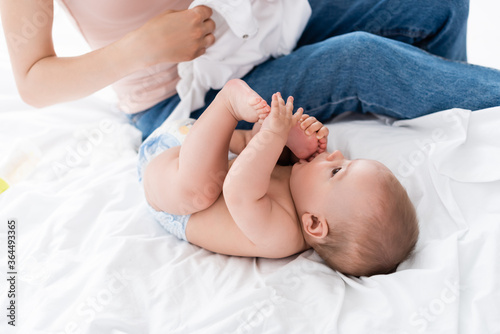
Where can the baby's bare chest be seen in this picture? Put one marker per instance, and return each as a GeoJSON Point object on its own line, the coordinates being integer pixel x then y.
{"type": "Point", "coordinates": [279, 188]}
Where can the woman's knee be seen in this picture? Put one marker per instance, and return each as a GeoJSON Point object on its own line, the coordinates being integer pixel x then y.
{"type": "Point", "coordinates": [343, 57]}
{"type": "Point", "coordinates": [359, 45]}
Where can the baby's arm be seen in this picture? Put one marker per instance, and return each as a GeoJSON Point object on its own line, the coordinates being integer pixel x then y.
{"type": "Point", "coordinates": [247, 183]}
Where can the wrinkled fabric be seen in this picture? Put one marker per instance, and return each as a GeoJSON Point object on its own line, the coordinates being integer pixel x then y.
{"type": "Point", "coordinates": [247, 34]}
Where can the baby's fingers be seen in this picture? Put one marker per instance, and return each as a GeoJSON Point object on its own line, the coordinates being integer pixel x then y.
{"type": "Point", "coordinates": [275, 103]}
{"type": "Point", "coordinates": [289, 106]}
{"type": "Point", "coordinates": [297, 115]}
{"type": "Point", "coordinates": [281, 102]}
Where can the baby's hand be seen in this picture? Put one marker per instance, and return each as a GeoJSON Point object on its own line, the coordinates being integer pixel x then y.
{"type": "Point", "coordinates": [281, 118]}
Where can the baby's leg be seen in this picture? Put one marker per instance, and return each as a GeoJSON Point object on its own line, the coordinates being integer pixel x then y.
{"type": "Point", "coordinates": [306, 139]}
{"type": "Point", "coordinates": [191, 180]}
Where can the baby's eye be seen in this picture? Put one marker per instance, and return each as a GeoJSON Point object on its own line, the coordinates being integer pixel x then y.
{"type": "Point", "coordinates": [336, 170]}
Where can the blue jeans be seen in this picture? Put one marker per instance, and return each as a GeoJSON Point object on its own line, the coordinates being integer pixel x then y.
{"type": "Point", "coordinates": [397, 58]}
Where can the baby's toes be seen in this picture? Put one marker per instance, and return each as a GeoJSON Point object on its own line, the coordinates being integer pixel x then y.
{"type": "Point", "coordinates": [307, 122]}
{"type": "Point", "coordinates": [261, 105]}
{"type": "Point", "coordinates": [303, 118]}
{"type": "Point", "coordinates": [315, 126]}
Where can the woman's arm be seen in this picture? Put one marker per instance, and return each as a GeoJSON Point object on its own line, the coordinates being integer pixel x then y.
{"type": "Point", "coordinates": [44, 79]}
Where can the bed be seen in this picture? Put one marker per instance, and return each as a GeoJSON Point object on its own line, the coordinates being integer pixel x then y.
{"type": "Point", "coordinates": [90, 258]}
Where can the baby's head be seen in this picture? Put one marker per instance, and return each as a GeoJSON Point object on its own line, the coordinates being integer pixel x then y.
{"type": "Point", "coordinates": [355, 213]}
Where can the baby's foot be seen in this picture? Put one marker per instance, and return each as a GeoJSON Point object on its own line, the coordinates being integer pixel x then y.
{"type": "Point", "coordinates": [243, 102]}
{"type": "Point", "coordinates": [308, 138]}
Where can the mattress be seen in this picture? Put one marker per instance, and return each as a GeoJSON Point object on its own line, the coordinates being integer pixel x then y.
{"type": "Point", "coordinates": [89, 258]}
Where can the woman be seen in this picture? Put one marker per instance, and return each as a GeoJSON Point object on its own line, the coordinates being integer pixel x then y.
{"type": "Point", "coordinates": [362, 55]}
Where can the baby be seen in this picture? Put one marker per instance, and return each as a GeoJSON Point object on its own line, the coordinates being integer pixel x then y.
{"type": "Point", "coordinates": [354, 213]}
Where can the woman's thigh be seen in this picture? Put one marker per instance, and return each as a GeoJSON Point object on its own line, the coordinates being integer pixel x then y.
{"type": "Point", "coordinates": [363, 72]}
{"type": "Point", "coordinates": [438, 27]}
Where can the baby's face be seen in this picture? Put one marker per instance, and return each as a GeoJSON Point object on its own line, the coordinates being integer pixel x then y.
{"type": "Point", "coordinates": [334, 185]}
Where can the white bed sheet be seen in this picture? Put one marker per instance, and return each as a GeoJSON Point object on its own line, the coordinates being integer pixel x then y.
{"type": "Point", "coordinates": [91, 260]}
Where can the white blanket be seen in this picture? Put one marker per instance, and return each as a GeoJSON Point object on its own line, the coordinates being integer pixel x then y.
{"type": "Point", "coordinates": [90, 259]}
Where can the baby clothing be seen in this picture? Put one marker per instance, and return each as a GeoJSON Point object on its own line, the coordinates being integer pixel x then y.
{"type": "Point", "coordinates": [248, 32]}
{"type": "Point", "coordinates": [161, 139]}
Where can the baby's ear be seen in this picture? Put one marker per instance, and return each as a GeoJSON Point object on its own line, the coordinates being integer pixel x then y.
{"type": "Point", "coordinates": [315, 226]}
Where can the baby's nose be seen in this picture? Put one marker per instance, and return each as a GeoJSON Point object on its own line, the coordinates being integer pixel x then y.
{"type": "Point", "coordinates": [335, 155]}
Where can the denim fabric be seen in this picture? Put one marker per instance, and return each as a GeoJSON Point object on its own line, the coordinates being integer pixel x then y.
{"type": "Point", "coordinates": [397, 58]}
{"type": "Point", "coordinates": [150, 119]}
{"type": "Point", "coordinates": [363, 72]}
{"type": "Point", "coordinates": [439, 27]}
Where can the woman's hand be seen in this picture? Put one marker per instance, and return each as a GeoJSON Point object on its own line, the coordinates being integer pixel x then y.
{"type": "Point", "coordinates": [173, 36]}
{"type": "Point", "coordinates": [44, 79]}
